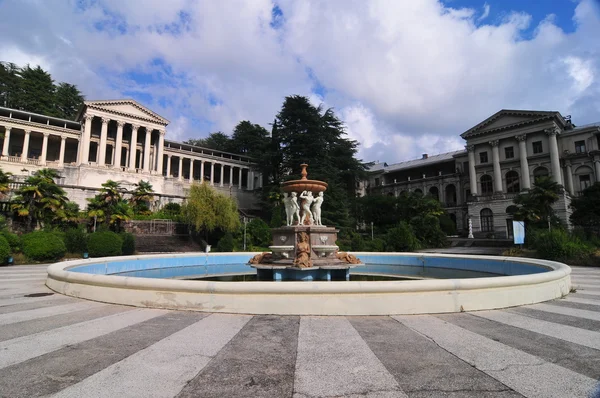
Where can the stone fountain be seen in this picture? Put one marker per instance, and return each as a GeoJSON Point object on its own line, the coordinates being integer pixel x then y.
{"type": "Point", "coordinates": [304, 250]}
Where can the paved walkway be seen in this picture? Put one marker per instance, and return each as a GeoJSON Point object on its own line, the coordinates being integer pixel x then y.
{"type": "Point", "coordinates": [64, 347]}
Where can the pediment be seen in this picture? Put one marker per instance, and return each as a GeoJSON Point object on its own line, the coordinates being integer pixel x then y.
{"type": "Point", "coordinates": [506, 119]}
{"type": "Point", "coordinates": [127, 108]}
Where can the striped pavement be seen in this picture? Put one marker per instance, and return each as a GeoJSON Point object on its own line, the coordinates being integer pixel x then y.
{"type": "Point", "coordinates": [52, 345]}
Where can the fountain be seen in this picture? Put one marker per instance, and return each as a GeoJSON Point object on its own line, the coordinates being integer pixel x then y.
{"type": "Point", "coordinates": [304, 250]}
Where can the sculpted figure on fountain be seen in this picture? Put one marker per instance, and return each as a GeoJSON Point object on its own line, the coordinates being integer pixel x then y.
{"type": "Point", "coordinates": [316, 208]}
{"type": "Point", "coordinates": [308, 199]}
{"type": "Point", "coordinates": [291, 208]}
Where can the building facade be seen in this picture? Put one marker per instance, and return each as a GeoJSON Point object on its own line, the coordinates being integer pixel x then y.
{"type": "Point", "coordinates": [122, 141]}
{"type": "Point", "coordinates": [504, 154]}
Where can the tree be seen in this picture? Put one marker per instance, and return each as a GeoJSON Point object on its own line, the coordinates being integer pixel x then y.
{"type": "Point", "coordinates": [4, 182]}
{"type": "Point", "coordinates": [68, 99]}
{"type": "Point", "coordinates": [41, 201]}
{"type": "Point", "coordinates": [535, 205]}
{"type": "Point", "coordinates": [218, 141]}
{"type": "Point", "coordinates": [586, 209]}
{"type": "Point", "coordinates": [109, 207]}
{"type": "Point", "coordinates": [36, 91]}
{"type": "Point", "coordinates": [141, 197]}
{"type": "Point", "coordinates": [9, 84]}
{"type": "Point", "coordinates": [249, 139]}
{"type": "Point", "coordinates": [206, 210]}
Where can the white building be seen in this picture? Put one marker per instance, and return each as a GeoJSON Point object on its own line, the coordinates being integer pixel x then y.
{"type": "Point", "coordinates": [123, 141]}
{"type": "Point", "coordinates": [504, 154]}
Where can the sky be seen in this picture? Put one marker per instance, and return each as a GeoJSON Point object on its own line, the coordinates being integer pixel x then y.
{"type": "Point", "coordinates": [406, 77]}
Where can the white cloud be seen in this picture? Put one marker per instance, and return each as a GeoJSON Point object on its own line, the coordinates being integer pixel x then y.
{"type": "Point", "coordinates": [406, 76]}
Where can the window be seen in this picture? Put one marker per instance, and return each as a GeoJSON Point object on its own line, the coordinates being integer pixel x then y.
{"type": "Point", "coordinates": [377, 182]}
{"type": "Point", "coordinates": [579, 146]}
{"type": "Point", "coordinates": [487, 220]}
{"type": "Point", "coordinates": [512, 182]}
{"type": "Point", "coordinates": [486, 185]}
{"type": "Point", "coordinates": [540, 172]}
{"type": "Point", "coordinates": [509, 152]}
{"type": "Point", "coordinates": [584, 181]}
{"type": "Point", "coordinates": [483, 157]}
{"type": "Point", "coordinates": [537, 147]}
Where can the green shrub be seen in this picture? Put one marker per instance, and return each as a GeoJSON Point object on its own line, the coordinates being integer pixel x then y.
{"type": "Point", "coordinates": [128, 243]}
{"type": "Point", "coordinates": [259, 232]}
{"type": "Point", "coordinates": [105, 243]}
{"type": "Point", "coordinates": [401, 239]}
{"type": "Point", "coordinates": [4, 250]}
{"type": "Point", "coordinates": [447, 225]}
{"type": "Point", "coordinates": [76, 240]}
{"type": "Point", "coordinates": [14, 241]}
{"type": "Point", "coordinates": [43, 246]}
{"type": "Point", "coordinates": [226, 243]}
{"type": "Point", "coordinates": [375, 245]}
{"type": "Point", "coordinates": [427, 230]}
{"type": "Point", "coordinates": [559, 245]}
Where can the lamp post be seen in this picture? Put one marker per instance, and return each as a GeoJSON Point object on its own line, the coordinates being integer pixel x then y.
{"type": "Point", "coordinates": [371, 230]}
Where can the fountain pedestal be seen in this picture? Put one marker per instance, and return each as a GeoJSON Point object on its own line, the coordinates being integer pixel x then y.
{"type": "Point", "coordinates": [323, 260]}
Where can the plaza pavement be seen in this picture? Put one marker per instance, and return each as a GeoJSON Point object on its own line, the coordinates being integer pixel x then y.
{"type": "Point", "coordinates": [60, 346]}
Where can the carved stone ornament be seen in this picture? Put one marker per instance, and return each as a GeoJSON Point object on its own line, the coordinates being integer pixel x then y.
{"type": "Point", "coordinates": [302, 259]}
{"type": "Point", "coordinates": [470, 148]}
{"type": "Point", "coordinates": [494, 142]}
{"type": "Point", "coordinates": [323, 239]}
{"type": "Point", "coordinates": [521, 137]}
{"type": "Point", "coordinates": [551, 131]}
{"type": "Point", "coordinates": [349, 258]}
{"type": "Point", "coordinates": [283, 238]}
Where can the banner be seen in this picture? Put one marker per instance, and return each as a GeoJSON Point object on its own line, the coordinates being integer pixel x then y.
{"type": "Point", "coordinates": [519, 232]}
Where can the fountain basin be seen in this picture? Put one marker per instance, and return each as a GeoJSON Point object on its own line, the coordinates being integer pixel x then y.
{"type": "Point", "coordinates": [117, 280]}
{"type": "Point", "coordinates": [314, 186]}
{"type": "Point", "coordinates": [324, 250]}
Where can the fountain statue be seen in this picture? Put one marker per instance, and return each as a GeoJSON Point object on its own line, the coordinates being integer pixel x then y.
{"type": "Point", "coordinates": [304, 249]}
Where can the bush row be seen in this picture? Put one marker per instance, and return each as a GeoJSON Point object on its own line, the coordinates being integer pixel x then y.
{"type": "Point", "coordinates": [53, 245]}
{"type": "Point", "coordinates": [559, 245]}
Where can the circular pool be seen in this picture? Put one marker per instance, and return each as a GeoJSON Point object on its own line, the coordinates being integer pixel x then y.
{"type": "Point", "coordinates": [462, 283]}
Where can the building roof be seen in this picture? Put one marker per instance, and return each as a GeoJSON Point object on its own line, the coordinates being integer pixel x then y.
{"type": "Point", "coordinates": [585, 126]}
{"type": "Point", "coordinates": [499, 121]}
{"type": "Point", "coordinates": [429, 160]}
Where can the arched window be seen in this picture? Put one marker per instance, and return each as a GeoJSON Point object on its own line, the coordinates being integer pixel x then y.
{"type": "Point", "coordinates": [450, 194]}
{"type": "Point", "coordinates": [540, 172]}
{"type": "Point", "coordinates": [486, 185]}
{"type": "Point", "coordinates": [418, 191]}
{"type": "Point", "coordinates": [584, 178]}
{"type": "Point", "coordinates": [512, 182]}
{"type": "Point", "coordinates": [487, 220]}
{"type": "Point", "coordinates": [434, 192]}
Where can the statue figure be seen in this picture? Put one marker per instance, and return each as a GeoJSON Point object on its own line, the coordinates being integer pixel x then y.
{"type": "Point", "coordinates": [291, 207]}
{"type": "Point", "coordinates": [302, 259]}
{"type": "Point", "coordinates": [308, 198]}
{"type": "Point", "coordinates": [296, 208]}
{"type": "Point", "coordinates": [316, 208]}
{"type": "Point", "coordinates": [347, 257]}
{"type": "Point", "coordinates": [262, 258]}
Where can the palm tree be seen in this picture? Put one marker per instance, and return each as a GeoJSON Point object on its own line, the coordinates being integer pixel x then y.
{"type": "Point", "coordinates": [40, 200]}
{"type": "Point", "coordinates": [4, 182]}
{"type": "Point", "coordinates": [109, 207]}
{"type": "Point", "coordinates": [141, 197]}
{"type": "Point", "coordinates": [536, 204]}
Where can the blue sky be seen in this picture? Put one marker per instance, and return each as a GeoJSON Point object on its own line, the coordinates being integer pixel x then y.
{"type": "Point", "coordinates": [405, 77]}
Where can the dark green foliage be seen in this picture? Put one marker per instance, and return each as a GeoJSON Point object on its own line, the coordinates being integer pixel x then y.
{"type": "Point", "coordinates": [43, 246]}
{"type": "Point", "coordinates": [128, 243]}
{"type": "Point", "coordinates": [109, 208]}
{"type": "Point", "coordinates": [218, 140]}
{"type": "Point", "coordinates": [535, 205]}
{"type": "Point", "coordinates": [33, 90]}
{"type": "Point", "coordinates": [259, 233]}
{"type": "Point", "coordinates": [277, 217]}
{"type": "Point", "coordinates": [374, 245]}
{"type": "Point", "coordinates": [226, 243]}
{"type": "Point", "coordinates": [447, 225]}
{"type": "Point", "coordinates": [559, 245]}
{"type": "Point", "coordinates": [76, 240]}
{"type": "Point", "coordinates": [4, 250]}
{"type": "Point", "coordinates": [427, 230]}
{"type": "Point", "coordinates": [14, 241]}
{"type": "Point", "coordinates": [249, 139]}
{"type": "Point", "coordinates": [172, 209]}
{"type": "Point", "coordinates": [401, 238]}
{"type": "Point", "coordinates": [105, 243]}
{"type": "Point", "coordinates": [586, 210]}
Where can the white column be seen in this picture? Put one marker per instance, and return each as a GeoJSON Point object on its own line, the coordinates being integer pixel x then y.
{"type": "Point", "coordinates": [133, 147]}
{"type": "Point", "coordinates": [61, 155]}
{"type": "Point", "coordinates": [569, 178]}
{"type": "Point", "coordinates": [84, 142]}
{"type": "Point", "coordinates": [191, 170]}
{"type": "Point", "coordinates": [496, 164]}
{"type": "Point", "coordinates": [180, 175]}
{"type": "Point", "coordinates": [472, 173]}
{"type": "Point", "coordinates": [169, 165]}
{"type": "Point", "coordinates": [6, 143]}
{"type": "Point", "coordinates": [118, 144]}
{"type": "Point", "coordinates": [212, 173]}
{"type": "Point", "coordinates": [25, 146]}
{"type": "Point", "coordinates": [597, 167]}
{"type": "Point", "coordinates": [147, 150]}
{"type": "Point", "coordinates": [44, 155]}
{"type": "Point", "coordinates": [161, 148]}
{"type": "Point", "coordinates": [554, 158]}
{"type": "Point", "coordinates": [240, 179]}
{"type": "Point", "coordinates": [103, 137]}
{"type": "Point", "coordinates": [524, 164]}
{"type": "Point", "coordinates": [250, 180]}
{"type": "Point", "coordinates": [222, 175]}
{"type": "Point", "coordinates": [230, 176]}
{"type": "Point", "coordinates": [202, 171]}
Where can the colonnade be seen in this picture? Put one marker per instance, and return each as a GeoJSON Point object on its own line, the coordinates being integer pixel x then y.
{"type": "Point", "coordinates": [24, 155]}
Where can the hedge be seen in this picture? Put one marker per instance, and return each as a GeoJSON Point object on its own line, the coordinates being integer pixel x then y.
{"type": "Point", "coordinates": [14, 241]}
{"type": "Point", "coordinates": [4, 250]}
{"type": "Point", "coordinates": [43, 246]}
{"type": "Point", "coordinates": [105, 243]}
{"type": "Point", "coordinates": [128, 243]}
{"type": "Point", "coordinates": [76, 240]}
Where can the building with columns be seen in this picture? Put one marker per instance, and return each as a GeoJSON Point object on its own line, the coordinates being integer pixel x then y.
{"type": "Point", "coordinates": [504, 154]}
{"type": "Point", "coordinates": [123, 141]}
